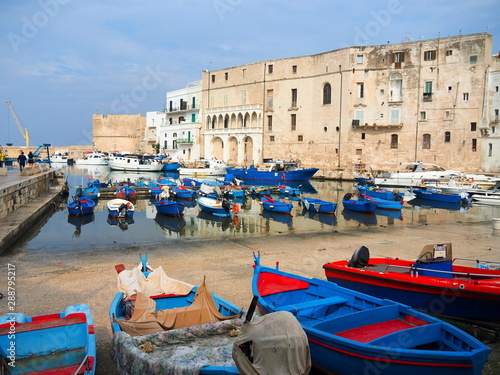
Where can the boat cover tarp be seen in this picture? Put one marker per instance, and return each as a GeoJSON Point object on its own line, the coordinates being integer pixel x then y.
{"type": "Point", "coordinates": [132, 281]}
{"type": "Point", "coordinates": [146, 319]}
{"type": "Point", "coordinates": [275, 343]}
{"type": "Point", "coordinates": [179, 351]}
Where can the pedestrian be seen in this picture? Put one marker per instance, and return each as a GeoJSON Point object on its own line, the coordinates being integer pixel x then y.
{"type": "Point", "coordinates": [2, 158]}
{"type": "Point", "coordinates": [21, 159]}
{"type": "Point", "coordinates": [30, 158]}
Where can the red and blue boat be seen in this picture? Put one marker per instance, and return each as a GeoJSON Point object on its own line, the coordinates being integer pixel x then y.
{"type": "Point", "coordinates": [81, 206]}
{"type": "Point", "coordinates": [383, 203]}
{"type": "Point", "coordinates": [382, 193]}
{"type": "Point", "coordinates": [182, 192]}
{"type": "Point", "coordinates": [435, 283]}
{"type": "Point", "coordinates": [277, 171]}
{"type": "Point", "coordinates": [62, 343]}
{"type": "Point", "coordinates": [167, 207]}
{"type": "Point", "coordinates": [354, 333]}
{"type": "Point", "coordinates": [126, 192]}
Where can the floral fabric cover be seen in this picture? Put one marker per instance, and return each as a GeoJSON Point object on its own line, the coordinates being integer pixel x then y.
{"type": "Point", "coordinates": [179, 351]}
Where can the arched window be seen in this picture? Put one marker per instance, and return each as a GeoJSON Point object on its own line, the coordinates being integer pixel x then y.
{"type": "Point", "coordinates": [396, 87]}
{"type": "Point", "coordinates": [327, 94]}
{"type": "Point", "coordinates": [394, 141]}
{"type": "Point", "coordinates": [426, 141]}
{"type": "Point", "coordinates": [447, 137]}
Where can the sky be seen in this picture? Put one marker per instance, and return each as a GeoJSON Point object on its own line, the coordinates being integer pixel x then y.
{"type": "Point", "coordinates": [61, 61]}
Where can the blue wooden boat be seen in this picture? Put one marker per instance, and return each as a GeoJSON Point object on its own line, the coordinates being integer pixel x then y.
{"type": "Point", "coordinates": [98, 184]}
{"type": "Point", "coordinates": [426, 203]}
{"type": "Point", "coordinates": [167, 207]}
{"type": "Point", "coordinates": [288, 190]}
{"type": "Point", "coordinates": [183, 193]}
{"type": "Point", "coordinates": [259, 190]}
{"type": "Point", "coordinates": [181, 311]}
{"type": "Point", "coordinates": [359, 206]}
{"type": "Point", "coordinates": [354, 333]}
{"type": "Point", "coordinates": [190, 182]}
{"type": "Point", "coordinates": [318, 205]}
{"type": "Point", "coordinates": [439, 196]}
{"type": "Point", "coordinates": [382, 193]}
{"type": "Point", "coordinates": [120, 208]}
{"type": "Point", "coordinates": [215, 206]}
{"type": "Point", "coordinates": [171, 166]}
{"type": "Point", "coordinates": [126, 192]}
{"type": "Point", "coordinates": [62, 343]}
{"type": "Point", "coordinates": [92, 193]}
{"type": "Point", "coordinates": [155, 191]}
{"type": "Point", "coordinates": [383, 203]}
{"type": "Point", "coordinates": [435, 282]}
{"type": "Point", "coordinates": [277, 171]}
{"type": "Point", "coordinates": [231, 193]}
{"type": "Point", "coordinates": [272, 205]}
{"type": "Point", "coordinates": [81, 206]}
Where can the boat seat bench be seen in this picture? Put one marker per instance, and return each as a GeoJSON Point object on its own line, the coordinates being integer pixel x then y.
{"type": "Point", "coordinates": [315, 303]}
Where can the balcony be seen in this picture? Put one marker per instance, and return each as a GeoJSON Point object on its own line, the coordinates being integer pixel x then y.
{"type": "Point", "coordinates": [184, 107]}
{"type": "Point", "coordinates": [184, 141]}
{"type": "Point", "coordinates": [427, 97]}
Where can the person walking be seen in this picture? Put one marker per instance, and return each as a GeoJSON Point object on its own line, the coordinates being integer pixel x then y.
{"type": "Point", "coordinates": [21, 159]}
{"type": "Point", "coordinates": [31, 158]}
{"type": "Point", "coordinates": [2, 158]}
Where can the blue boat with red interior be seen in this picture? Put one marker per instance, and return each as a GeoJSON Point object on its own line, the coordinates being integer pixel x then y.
{"type": "Point", "coordinates": [276, 171]}
{"type": "Point", "coordinates": [354, 333]}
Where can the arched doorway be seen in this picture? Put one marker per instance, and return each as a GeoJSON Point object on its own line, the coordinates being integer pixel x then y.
{"type": "Point", "coordinates": [248, 150]}
{"type": "Point", "coordinates": [233, 150]}
{"type": "Point", "coordinates": [217, 148]}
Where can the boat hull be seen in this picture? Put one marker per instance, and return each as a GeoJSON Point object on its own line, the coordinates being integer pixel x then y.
{"type": "Point", "coordinates": [318, 205]}
{"type": "Point", "coordinates": [453, 298]}
{"type": "Point", "coordinates": [359, 206]}
{"type": "Point", "coordinates": [253, 174]}
{"type": "Point", "coordinates": [115, 208]}
{"type": "Point", "coordinates": [381, 336]}
{"type": "Point", "coordinates": [213, 206]}
{"type": "Point", "coordinates": [169, 208]}
{"type": "Point", "coordinates": [439, 197]}
{"type": "Point", "coordinates": [83, 207]}
{"type": "Point", "coordinates": [278, 207]}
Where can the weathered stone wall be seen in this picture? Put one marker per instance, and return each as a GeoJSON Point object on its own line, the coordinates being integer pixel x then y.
{"type": "Point", "coordinates": [120, 133]}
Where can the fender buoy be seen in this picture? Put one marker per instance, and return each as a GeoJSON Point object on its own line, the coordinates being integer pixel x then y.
{"type": "Point", "coordinates": [236, 209]}
{"type": "Point", "coordinates": [470, 180]}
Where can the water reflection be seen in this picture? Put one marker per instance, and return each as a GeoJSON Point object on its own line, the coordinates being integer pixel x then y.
{"type": "Point", "coordinates": [79, 221]}
{"type": "Point", "coordinates": [120, 222]}
{"type": "Point", "coordinates": [59, 232]}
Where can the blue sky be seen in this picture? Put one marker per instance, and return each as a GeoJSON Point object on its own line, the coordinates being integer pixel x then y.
{"type": "Point", "coordinates": [63, 60]}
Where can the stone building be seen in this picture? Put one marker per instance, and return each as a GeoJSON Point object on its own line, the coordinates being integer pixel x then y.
{"type": "Point", "coordinates": [432, 100]}
{"type": "Point", "coordinates": [120, 133]}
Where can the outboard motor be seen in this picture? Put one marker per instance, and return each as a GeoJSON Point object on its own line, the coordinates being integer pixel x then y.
{"type": "Point", "coordinates": [122, 210]}
{"type": "Point", "coordinates": [226, 205]}
{"type": "Point", "coordinates": [347, 197]}
{"type": "Point", "coordinates": [360, 258]}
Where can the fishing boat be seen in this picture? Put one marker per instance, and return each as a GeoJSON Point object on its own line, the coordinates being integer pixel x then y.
{"type": "Point", "coordinates": [120, 208]}
{"type": "Point", "coordinates": [81, 206]}
{"type": "Point", "coordinates": [174, 317]}
{"type": "Point", "coordinates": [383, 203]}
{"type": "Point", "coordinates": [487, 198]}
{"type": "Point", "coordinates": [135, 162]}
{"type": "Point", "coordinates": [318, 205]}
{"type": "Point", "coordinates": [415, 175]}
{"type": "Point", "coordinates": [98, 184]}
{"type": "Point", "coordinates": [182, 192]}
{"type": "Point", "coordinates": [234, 192]}
{"type": "Point", "coordinates": [277, 171]}
{"type": "Point", "coordinates": [435, 282]}
{"type": "Point", "coordinates": [126, 192]}
{"type": "Point", "coordinates": [359, 206]}
{"type": "Point", "coordinates": [92, 158]}
{"type": "Point", "coordinates": [217, 207]}
{"type": "Point", "coordinates": [205, 167]}
{"type": "Point", "coordinates": [92, 193]}
{"type": "Point", "coordinates": [259, 190]}
{"type": "Point", "coordinates": [62, 343]}
{"type": "Point", "coordinates": [354, 333]}
{"type": "Point", "coordinates": [436, 195]}
{"type": "Point", "coordinates": [167, 207]}
{"type": "Point", "coordinates": [288, 190]}
{"type": "Point", "coordinates": [273, 205]}
{"type": "Point", "coordinates": [378, 192]}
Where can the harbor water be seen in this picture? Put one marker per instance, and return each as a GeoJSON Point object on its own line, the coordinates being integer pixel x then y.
{"type": "Point", "coordinates": [60, 231]}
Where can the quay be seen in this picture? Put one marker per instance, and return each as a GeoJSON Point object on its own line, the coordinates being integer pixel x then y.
{"type": "Point", "coordinates": [49, 282]}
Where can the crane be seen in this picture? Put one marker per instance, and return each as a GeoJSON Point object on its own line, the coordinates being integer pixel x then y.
{"type": "Point", "coordinates": [24, 132]}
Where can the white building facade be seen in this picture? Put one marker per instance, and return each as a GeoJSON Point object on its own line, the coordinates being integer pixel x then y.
{"type": "Point", "coordinates": [179, 137]}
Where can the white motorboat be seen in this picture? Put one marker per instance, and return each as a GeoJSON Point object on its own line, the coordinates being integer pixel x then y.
{"type": "Point", "coordinates": [205, 167]}
{"type": "Point", "coordinates": [92, 158]}
{"type": "Point", "coordinates": [487, 198]}
{"type": "Point", "coordinates": [59, 158]}
{"type": "Point", "coordinates": [415, 175]}
{"type": "Point", "coordinates": [134, 162]}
